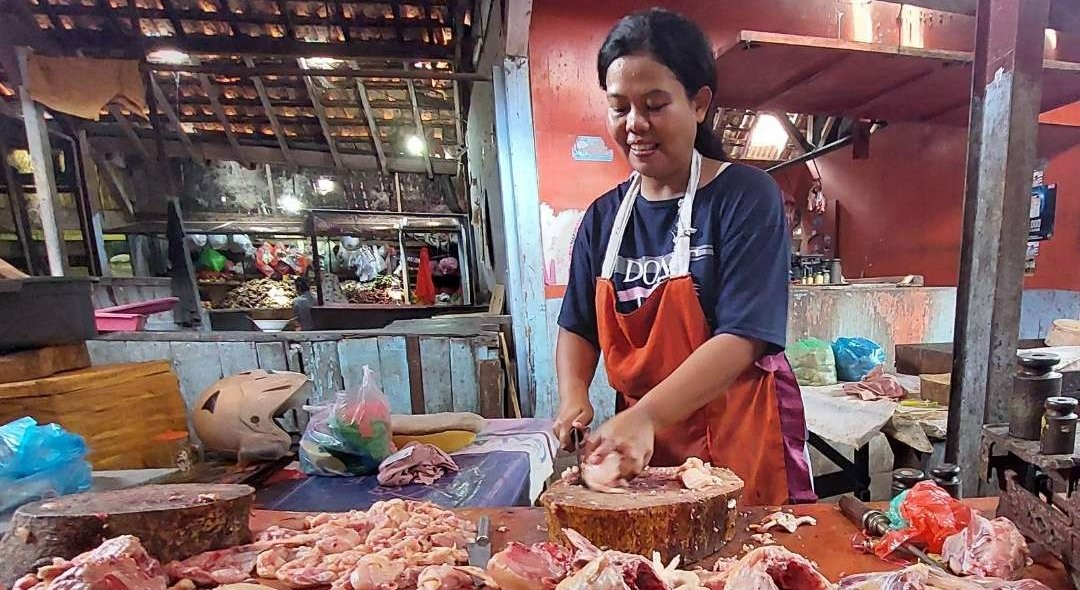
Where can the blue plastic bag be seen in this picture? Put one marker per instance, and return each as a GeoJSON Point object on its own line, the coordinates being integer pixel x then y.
{"type": "Point", "coordinates": [855, 357]}
{"type": "Point", "coordinates": [40, 461]}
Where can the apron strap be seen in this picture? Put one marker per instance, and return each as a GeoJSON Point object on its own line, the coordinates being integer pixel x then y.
{"type": "Point", "coordinates": [622, 217]}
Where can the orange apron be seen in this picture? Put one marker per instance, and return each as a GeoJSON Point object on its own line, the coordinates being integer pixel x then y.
{"type": "Point", "coordinates": [740, 430]}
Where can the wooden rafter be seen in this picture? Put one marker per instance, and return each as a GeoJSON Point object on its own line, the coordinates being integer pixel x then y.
{"type": "Point", "coordinates": [244, 71]}
{"type": "Point", "coordinates": [129, 132]}
{"type": "Point", "coordinates": [114, 181]}
{"type": "Point", "coordinates": [373, 129]}
{"type": "Point", "coordinates": [219, 112]}
{"type": "Point", "coordinates": [174, 120]}
{"type": "Point", "coordinates": [320, 112]}
{"type": "Point", "coordinates": [174, 17]}
{"type": "Point", "coordinates": [793, 131]}
{"type": "Point", "coordinates": [826, 129]}
{"type": "Point", "coordinates": [420, 126]}
{"type": "Point", "coordinates": [268, 108]}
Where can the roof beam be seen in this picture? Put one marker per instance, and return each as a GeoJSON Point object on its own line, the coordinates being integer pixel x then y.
{"type": "Point", "coordinates": [268, 108]}
{"type": "Point", "coordinates": [114, 180]}
{"type": "Point", "coordinates": [320, 112]}
{"type": "Point", "coordinates": [420, 127]}
{"type": "Point", "coordinates": [376, 139]}
{"type": "Point", "coordinates": [215, 104]}
{"type": "Point", "coordinates": [170, 113]}
{"type": "Point", "coordinates": [245, 71]}
{"type": "Point", "coordinates": [272, 155]}
{"type": "Point", "coordinates": [129, 132]}
{"type": "Point", "coordinates": [794, 132]}
{"type": "Point", "coordinates": [1064, 14]}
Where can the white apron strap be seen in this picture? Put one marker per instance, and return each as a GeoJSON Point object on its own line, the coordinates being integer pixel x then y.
{"type": "Point", "coordinates": [622, 217]}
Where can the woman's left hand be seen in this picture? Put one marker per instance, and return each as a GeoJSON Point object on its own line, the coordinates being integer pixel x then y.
{"type": "Point", "coordinates": [630, 434]}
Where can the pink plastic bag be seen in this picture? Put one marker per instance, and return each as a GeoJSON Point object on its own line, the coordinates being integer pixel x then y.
{"type": "Point", "coordinates": [993, 548]}
{"type": "Point", "coordinates": [933, 515]}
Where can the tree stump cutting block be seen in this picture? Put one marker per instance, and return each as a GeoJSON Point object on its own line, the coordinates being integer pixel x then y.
{"type": "Point", "coordinates": [172, 521]}
{"type": "Point", "coordinates": [657, 514]}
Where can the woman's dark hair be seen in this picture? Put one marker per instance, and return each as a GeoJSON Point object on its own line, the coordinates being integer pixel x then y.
{"type": "Point", "coordinates": [302, 285]}
{"type": "Point", "coordinates": [675, 41]}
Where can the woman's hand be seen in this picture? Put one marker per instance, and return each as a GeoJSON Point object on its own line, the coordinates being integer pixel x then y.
{"type": "Point", "coordinates": [575, 411]}
{"type": "Point", "coordinates": [630, 434]}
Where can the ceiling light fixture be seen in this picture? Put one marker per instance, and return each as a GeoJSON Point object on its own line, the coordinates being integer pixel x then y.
{"type": "Point", "coordinates": [768, 132]}
{"type": "Point", "coordinates": [415, 145]}
{"type": "Point", "coordinates": [171, 57]}
{"type": "Point", "coordinates": [325, 185]}
{"type": "Point", "coordinates": [290, 204]}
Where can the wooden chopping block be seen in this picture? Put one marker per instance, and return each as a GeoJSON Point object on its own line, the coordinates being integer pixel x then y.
{"type": "Point", "coordinates": [172, 521]}
{"type": "Point", "coordinates": [658, 514]}
{"type": "Point", "coordinates": [42, 362]}
{"type": "Point", "coordinates": [935, 388]}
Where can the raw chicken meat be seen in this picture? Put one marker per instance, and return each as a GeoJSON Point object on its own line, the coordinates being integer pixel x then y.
{"type": "Point", "coordinates": [604, 476]}
{"type": "Point", "coordinates": [877, 384]}
{"type": "Point", "coordinates": [696, 475]}
{"type": "Point", "coordinates": [598, 574]}
{"type": "Point", "coordinates": [769, 568]}
{"type": "Point", "coordinates": [386, 548]}
{"type": "Point", "coordinates": [453, 577]}
{"type": "Point", "coordinates": [991, 548]}
{"type": "Point", "coordinates": [415, 463]}
{"type": "Point", "coordinates": [523, 567]}
{"type": "Point", "coordinates": [922, 577]}
{"type": "Point", "coordinates": [119, 563]}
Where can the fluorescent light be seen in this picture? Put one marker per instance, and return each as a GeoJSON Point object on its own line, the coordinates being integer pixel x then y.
{"type": "Point", "coordinates": [290, 204]}
{"type": "Point", "coordinates": [172, 57]}
{"type": "Point", "coordinates": [325, 185]}
{"type": "Point", "coordinates": [320, 63]}
{"type": "Point", "coordinates": [415, 145]}
{"type": "Point", "coordinates": [768, 132]}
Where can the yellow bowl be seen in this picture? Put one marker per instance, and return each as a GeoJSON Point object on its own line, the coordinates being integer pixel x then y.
{"type": "Point", "coordinates": [450, 441]}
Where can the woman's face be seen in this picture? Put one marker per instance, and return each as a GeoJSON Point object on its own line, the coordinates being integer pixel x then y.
{"type": "Point", "coordinates": [651, 117]}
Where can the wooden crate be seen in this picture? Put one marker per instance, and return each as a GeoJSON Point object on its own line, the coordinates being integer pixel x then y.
{"type": "Point", "coordinates": [117, 408]}
{"type": "Point", "coordinates": [42, 362]}
{"type": "Point", "coordinates": [935, 388]}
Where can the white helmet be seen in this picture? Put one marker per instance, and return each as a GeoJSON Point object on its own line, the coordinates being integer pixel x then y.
{"type": "Point", "coordinates": [248, 414]}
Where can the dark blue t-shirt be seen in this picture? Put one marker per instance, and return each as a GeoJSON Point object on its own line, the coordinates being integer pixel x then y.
{"type": "Point", "coordinates": [739, 256]}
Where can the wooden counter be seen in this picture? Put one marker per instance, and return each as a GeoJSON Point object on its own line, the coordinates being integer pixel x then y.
{"type": "Point", "coordinates": [828, 543]}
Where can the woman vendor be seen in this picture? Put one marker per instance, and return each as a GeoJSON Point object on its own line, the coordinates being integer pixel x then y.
{"type": "Point", "coordinates": [679, 277]}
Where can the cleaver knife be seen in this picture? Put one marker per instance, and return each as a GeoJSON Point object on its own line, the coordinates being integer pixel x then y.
{"type": "Point", "coordinates": [480, 550]}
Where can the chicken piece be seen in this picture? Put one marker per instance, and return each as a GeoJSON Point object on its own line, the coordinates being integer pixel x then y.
{"type": "Point", "coordinates": [991, 548]}
{"type": "Point", "coordinates": [270, 561]}
{"type": "Point", "coordinates": [119, 563]}
{"type": "Point", "coordinates": [453, 577]}
{"type": "Point", "coordinates": [376, 572]}
{"type": "Point", "coordinates": [337, 539]}
{"type": "Point", "coordinates": [275, 533]}
{"type": "Point", "coordinates": [598, 574]}
{"type": "Point", "coordinates": [28, 582]}
{"type": "Point", "coordinates": [213, 568]}
{"type": "Point", "coordinates": [923, 577]}
{"type": "Point", "coordinates": [785, 520]}
{"type": "Point", "coordinates": [604, 476]}
{"type": "Point", "coordinates": [307, 570]}
{"type": "Point", "coordinates": [774, 568]}
{"type": "Point", "coordinates": [521, 567]}
{"type": "Point", "coordinates": [696, 475]}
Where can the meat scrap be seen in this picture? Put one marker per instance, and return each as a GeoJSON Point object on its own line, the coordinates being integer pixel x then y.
{"type": "Point", "coordinates": [415, 463]}
{"type": "Point", "coordinates": [524, 567]}
{"type": "Point", "coordinates": [785, 520]}
{"type": "Point", "coordinates": [924, 577]}
{"type": "Point", "coordinates": [991, 548]}
{"type": "Point", "coordinates": [769, 568]}
{"type": "Point", "coordinates": [697, 475]}
{"type": "Point", "coordinates": [120, 563]}
{"type": "Point", "coordinates": [605, 475]}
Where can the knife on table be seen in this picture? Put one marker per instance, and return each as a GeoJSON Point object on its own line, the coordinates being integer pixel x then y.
{"type": "Point", "coordinates": [577, 439]}
{"type": "Point", "coordinates": [480, 549]}
{"type": "Point", "coordinates": [875, 524]}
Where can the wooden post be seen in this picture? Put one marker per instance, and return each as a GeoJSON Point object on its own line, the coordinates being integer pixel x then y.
{"type": "Point", "coordinates": [188, 311]}
{"type": "Point", "coordinates": [1007, 88]}
{"type": "Point", "coordinates": [18, 211]}
{"type": "Point", "coordinates": [87, 204]}
{"type": "Point", "coordinates": [37, 139]}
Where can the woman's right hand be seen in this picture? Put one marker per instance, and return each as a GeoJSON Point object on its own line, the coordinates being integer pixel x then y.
{"type": "Point", "coordinates": [575, 411]}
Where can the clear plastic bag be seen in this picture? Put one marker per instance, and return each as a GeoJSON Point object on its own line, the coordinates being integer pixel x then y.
{"type": "Point", "coordinates": [855, 357]}
{"type": "Point", "coordinates": [350, 437]}
{"type": "Point", "coordinates": [812, 361]}
{"type": "Point", "coordinates": [933, 515]}
{"type": "Point", "coordinates": [40, 461]}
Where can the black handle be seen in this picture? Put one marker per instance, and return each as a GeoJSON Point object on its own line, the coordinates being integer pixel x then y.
{"type": "Point", "coordinates": [854, 509]}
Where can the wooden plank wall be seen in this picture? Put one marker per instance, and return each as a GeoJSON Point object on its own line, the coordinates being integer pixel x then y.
{"type": "Point", "coordinates": [439, 374]}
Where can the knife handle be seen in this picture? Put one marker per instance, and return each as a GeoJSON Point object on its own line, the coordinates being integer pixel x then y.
{"type": "Point", "coordinates": [854, 509]}
{"type": "Point", "coordinates": [483, 527]}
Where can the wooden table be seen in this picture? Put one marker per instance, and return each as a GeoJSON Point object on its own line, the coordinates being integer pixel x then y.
{"type": "Point", "coordinates": [828, 543]}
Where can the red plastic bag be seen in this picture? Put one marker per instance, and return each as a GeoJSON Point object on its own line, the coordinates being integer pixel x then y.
{"type": "Point", "coordinates": [425, 286]}
{"type": "Point", "coordinates": [933, 515]}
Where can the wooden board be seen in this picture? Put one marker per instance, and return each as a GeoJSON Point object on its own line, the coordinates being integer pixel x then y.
{"type": "Point", "coordinates": [827, 543]}
{"type": "Point", "coordinates": [436, 375]}
{"type": "Point", "coordinates": [353, 355]}
{"type": "Point", "coordinates": [935, 388]}
{"type": "Point", "coordinates": [42, 362]}
{"type": "Point", "coordinates": [658, 514]}
{"type": "Point", "coordinates": [172, 521]}
{"type": "Point", "coordinates": [395, 373]}
{"type": "Point", "coordinates": [99, 403]}
{"type": "Point", "coordinates": [464, 382]}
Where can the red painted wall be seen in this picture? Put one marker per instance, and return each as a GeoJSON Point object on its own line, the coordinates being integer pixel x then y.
{"type": "Point", "coordinates": [902, 209]}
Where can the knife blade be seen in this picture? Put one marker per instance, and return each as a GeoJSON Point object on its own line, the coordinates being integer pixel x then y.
{"type": "Point", "coordinates": [577, 438]}
{"type": "Point", "coordinates": [480, 550]}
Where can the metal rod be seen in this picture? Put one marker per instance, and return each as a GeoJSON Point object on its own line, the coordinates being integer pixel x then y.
{"type": "Point", "coordinates": [242, 71]}
{"type": "Point", "coordinates": [821, 151]}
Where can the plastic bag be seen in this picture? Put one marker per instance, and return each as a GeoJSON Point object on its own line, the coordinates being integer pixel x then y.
{"type": "Point", "coordinates": [933, 515]}
{"type": "Point", "coordinates": [351, 436]}
{"type": "Point", "coordinates": [855, 357]}
{"type": "Point", "coordinates": [211, 259]}
{"type": "Point", "coordinates": [40, 461]}
{"type": "Point", "coordinates": [896, 521]}
{"type": "Point", "coordinates": [991, 548]}
{"type": "Point", "coordinates": [812, 361]}
{"type": "Point", "coordinates": [923, 576]}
